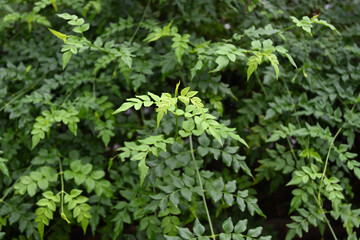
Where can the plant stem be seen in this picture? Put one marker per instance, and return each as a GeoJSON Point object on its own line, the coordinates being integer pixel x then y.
{"type": "Point", "coordinates": [326, 163]}
{"type": "Point", "coordinates": [260, 83]}
{"type": "Point", "coordinates": [323, 174]}
{"type": "Point", "coordinates": [176, 126]}
{"type": "Point", "coordinates": [201, 186]}
{"type": "Point", "coordinates": [62, 186]}
{"type": "Point", "coordinates": [142, 19]}
{"type": "Point", "coordinates": [291, 149]}
{"type": "Point", "coordinates": [22, 92]}
{"type": "Point", "coordinates": [329, 225]}
{"type": "Point", "coordinates": [321, 181]}
{"type": "Point", "coordinates": [294, 110]}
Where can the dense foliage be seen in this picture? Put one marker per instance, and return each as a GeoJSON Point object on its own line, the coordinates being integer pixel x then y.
{"type": "Point", "coordinates": [179, 119]}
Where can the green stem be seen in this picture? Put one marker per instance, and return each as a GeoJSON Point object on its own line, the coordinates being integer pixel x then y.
{"type": "Point", "coordinates": [326, 163]}
{"type": "Point", "coordinates": [94, 46]}
{"type": "Point", "coordinates": [201, 187]}
{"type": "Point", "coordinates": [94, 96]}
{"type": "Point", "coordinates": [291, 149]}
{"type": "Point", "coordinates": [62, 186]}
{"type": "Point", "coordinates": [260, 83]}
{"type": "Point", "coordinates": [66, 98]}
{"type": "Point", "coordinates": [24, 91]}
{"type": "Point", "coordinates": [142, 19]}
{"type": "Point", "coordinates": [329, 225]}
{"type": "Point", "coordinates": [323, 176]}
{"type": "Point", "coordinates": [294, 110]}
{"type": "Point", "coordinates": [176, 126]}
{"type": "Point", "coordinates": [326, 219]}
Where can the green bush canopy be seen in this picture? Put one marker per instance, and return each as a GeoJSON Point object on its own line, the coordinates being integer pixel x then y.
{"type": "Point", "coordinates": [179, 119]}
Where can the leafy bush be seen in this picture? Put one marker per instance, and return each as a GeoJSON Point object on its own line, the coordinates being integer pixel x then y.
{"type": "Point", "coordinates": [179, 119]}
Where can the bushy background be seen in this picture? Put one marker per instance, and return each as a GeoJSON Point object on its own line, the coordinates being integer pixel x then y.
{"type": "Point", "coordinates": [56, 121]}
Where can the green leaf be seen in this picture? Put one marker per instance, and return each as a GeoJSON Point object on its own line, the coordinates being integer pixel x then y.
{"type": "Point", "coordinates": [229, 199]}
{"type": "Point", "coordinates": [3, 167]}
{"type": "Point", "coordinates": [222, 62]}
{"type": "Point", "coordinates": [35, 140]}
{"type": "Point", "coordinates": [75, 192]}
{"type": "Point", "coordinates": [275, 63]}
{"type": "Point", "coordinates": [198, 66]}
{"type": "Point", "coordinates": [357, 172]}
{"type": "Point", "coordinates": [176, 181]}
{"type": "Point", "coordinates": [31, 189]}
{"type": "Point", "coordinates": [252, 64]}
{"type": "Point", "coordinates": [325, 23]}
{"type": "Point", "coordinates": [143, 170]}
{"type": "Point", "coordinates": [179, 51]}
{"type": "Point", "coordinates": [198, 229]}
{"type": "Point", "coordinates": [159, 117]}
{"type": "Point", "coordinates": [215, 133]}
{"type": "Point", "coordinates": [241, 226]}
{"type": "Point", "coordinates": [41, 229]}
{"type": "Point", "coordinates": [85, 27]}
{"type": "Point", "coordinates": [188, 125]}
{"type": "Point", "coordinates": [228, 225]}
{"type": "Point", "coordinates": [225, 236]}
{"type": "Point", "coordinates": [66, 16]}
{"type": "Point", "coordinates": [59, 35]}
{"type": "Point", "coordinates": [43, 184]}
{"type": "Point", "coordinates": [98, 174]}
{"type": "Point", "coordinates": [216, 195]}
{"type": "Point", "coordinates": [125, 106]}
{"type": "Point", "coordinates": [295, 203]}
{"type": "Point", "coordinates": [158, 33]}
{"type": "Point", "coordinates": [230, 186]}
{"type": "Point", "coordinates": [66, 58]}
{"type": "Point", "coordinates": [76, 165]}
{"type": "Point", "coordinates": [305, 23]}
{"type": "Point", "coordinates": [186, 193]}
{"type": "Point", "coordinates": [174, 198]}
{"type": "Point", "coordinates": [86, 169]}
{"type": "Point", "coordinates": [204, 140]}
{"type": "Point", "coordinates": [255, 232]}
{"type": "Point", "coordinates": [184, 91]}
{"type": "Point", "coordinates": [84, 224]}
{"type": "Point", "coordinates": [291, 60]}
{"type": "Point", "coordinates": [79, 178]}
{"type": "Point", "coordinates": [185, 233]}
{"type": "Point", "coordinates": [256, 45]}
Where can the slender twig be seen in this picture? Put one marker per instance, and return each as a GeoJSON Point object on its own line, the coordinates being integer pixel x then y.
{"type": "Point", "coordinates": [260, 83]}
{"type": "Point", "coordinates": [94, 88]}
{"type": "Point", "coordinates": [291, 149]}
{"type": "Point", "coordinates": [247, 7]}
{"type": "Point", "coordinates": [323, 176]}
{"type": "Point", "coordinates": [326, 162]}
{"type": "Point", "coordinates": [201, 187]}
{"type": "Point", "coordinates": [294, 110]}
{"type": "Point", "coordinates": [326, 219]}
{"type": "Point", "coordinates": [329, 225]}
{"type": "Point", "coordinates": [328, 153]}
{"type": "Point", "coordinates": [142, 19]}
{"type": "Point", "coordinates": [24, 91]}
{"type": "Point", "coordinates": [66, 98]}
{"type": "Point", "coordinates": [62, 187]}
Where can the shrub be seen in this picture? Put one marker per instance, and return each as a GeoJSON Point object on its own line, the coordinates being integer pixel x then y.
{"type": "Point", "coordinates": [179, 119]}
